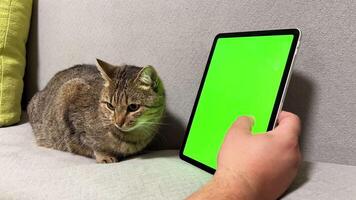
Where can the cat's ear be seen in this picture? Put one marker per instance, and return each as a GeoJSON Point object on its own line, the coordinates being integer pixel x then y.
{"type": "Point", "coordinates": [148, 78]}
{"type": "Point", "coordinates": [106, 70]}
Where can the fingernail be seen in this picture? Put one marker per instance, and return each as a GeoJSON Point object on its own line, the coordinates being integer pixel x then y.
{"type": "Point", "coordinates": [252, 118]}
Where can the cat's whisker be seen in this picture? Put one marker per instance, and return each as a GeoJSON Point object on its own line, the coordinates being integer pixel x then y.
{"type": "Point", "coordinates": [158, 123]}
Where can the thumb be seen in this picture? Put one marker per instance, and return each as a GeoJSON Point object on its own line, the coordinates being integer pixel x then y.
{"type": "Point", "coordinates": [243, 125]}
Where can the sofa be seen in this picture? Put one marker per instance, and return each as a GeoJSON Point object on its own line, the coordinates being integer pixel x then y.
{"type": "Point", "coordinates": [176, 37]}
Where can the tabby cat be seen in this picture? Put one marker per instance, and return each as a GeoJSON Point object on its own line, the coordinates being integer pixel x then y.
{"type": "Point", "coordinates": [105, 112]}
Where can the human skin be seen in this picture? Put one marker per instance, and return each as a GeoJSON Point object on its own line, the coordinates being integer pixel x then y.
{"type": "Point", "coordinates": [255, 166]}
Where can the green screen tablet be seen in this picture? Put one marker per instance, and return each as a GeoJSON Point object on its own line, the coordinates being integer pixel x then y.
{"type": "Point", "coordinates": [247, 74]}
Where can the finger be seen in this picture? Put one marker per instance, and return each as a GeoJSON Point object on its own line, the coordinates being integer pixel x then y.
{"type": "Point", "coordinates": [288, 125]}
{"type": "Point", "coordinates": [243, 125]}
{"type": "Point", "coordinates": [284, 114]}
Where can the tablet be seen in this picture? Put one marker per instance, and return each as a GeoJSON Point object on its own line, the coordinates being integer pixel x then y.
{"type": "Point", "coordinates": [247, 73]}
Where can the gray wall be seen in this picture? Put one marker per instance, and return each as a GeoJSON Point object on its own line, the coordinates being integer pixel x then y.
{"type": "Point", "coordinates": [176, 36]}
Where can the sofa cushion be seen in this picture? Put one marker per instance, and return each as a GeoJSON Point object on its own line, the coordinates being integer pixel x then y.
{"type": "Point", "coordinates": [176, 37]}
{"type": "Point", "coordinates": [32, 172]}
{"type": "Point", "coordinates": [14, 26]}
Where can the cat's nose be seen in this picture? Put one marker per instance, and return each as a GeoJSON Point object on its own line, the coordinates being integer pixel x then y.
{"type": "Point", "coordinates": [119, 120]}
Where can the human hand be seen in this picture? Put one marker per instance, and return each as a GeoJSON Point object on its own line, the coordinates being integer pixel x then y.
{"type": "Point", "coordinates": [259, 166]}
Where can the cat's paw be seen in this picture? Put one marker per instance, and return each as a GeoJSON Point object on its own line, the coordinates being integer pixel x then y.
{"type": "Point", "coordinates": [104, 158]}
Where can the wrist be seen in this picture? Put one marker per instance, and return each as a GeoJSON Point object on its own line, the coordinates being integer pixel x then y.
{"type": "Point", "coordinates": [234, 184]}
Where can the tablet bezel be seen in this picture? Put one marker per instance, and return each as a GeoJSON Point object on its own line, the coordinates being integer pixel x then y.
{"type": "Point", "coordinates": [281, 90]}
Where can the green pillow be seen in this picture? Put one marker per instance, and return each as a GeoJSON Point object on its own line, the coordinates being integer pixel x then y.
{"type": "Point", "coordinates": [14, 26]}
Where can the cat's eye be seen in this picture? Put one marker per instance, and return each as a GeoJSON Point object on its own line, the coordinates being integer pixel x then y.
{"type": "Point", "coordinates": [133, 107]}
{"type": "Point", "coordinates": [110, 106]}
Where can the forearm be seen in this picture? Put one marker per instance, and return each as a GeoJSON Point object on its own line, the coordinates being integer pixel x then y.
{"type": "Point", "coordinates": [214, 191]}
{"type": "Point", "coordinates": [220, 188]}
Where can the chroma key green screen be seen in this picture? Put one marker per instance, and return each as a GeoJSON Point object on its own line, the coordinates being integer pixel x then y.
{"type": "Point", "coordinates": [243, 78]}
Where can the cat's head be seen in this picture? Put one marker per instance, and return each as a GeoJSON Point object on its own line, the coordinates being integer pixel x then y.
{"type": "Point", "coordinates": [132, 98]}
